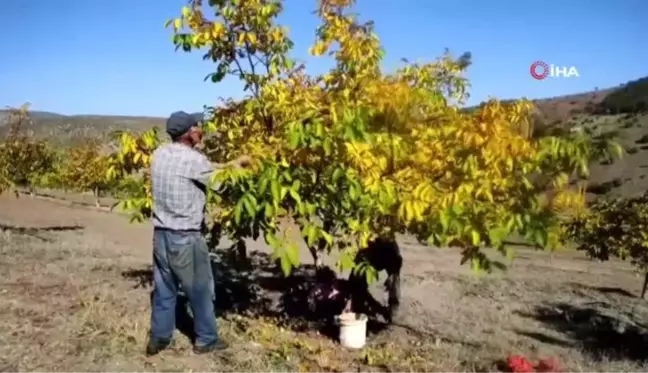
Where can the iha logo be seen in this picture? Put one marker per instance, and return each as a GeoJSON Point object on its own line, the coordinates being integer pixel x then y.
{"type": "Point", "coordinates": [541, 70]}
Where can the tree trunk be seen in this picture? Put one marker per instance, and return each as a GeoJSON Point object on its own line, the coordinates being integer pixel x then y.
{"type": "Point", "coordinates": [95, 193]}
{"type": "Point", "coordinates": [321, 244]}
{"type": "Point", "coordinates": [645, 285]}
{"type": "Point", "coordinates": [241, 251]}
{"type": "Point", "coordinates": [215, 236]}
{"type": "Point", "coordinates": [241, 260]}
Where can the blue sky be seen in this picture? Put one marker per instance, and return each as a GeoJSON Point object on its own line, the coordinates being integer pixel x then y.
{"type": "Point", "coordinates": [116, 58]}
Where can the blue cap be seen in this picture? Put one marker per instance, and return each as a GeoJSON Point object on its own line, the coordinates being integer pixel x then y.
{"type": "Point", "coordinates": [180, 122]}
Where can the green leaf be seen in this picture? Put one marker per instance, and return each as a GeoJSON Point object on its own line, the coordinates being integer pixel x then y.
{"type": "Point", "coordinates": [337, 174]}
{"type": "Point", "coordinates": [310, 232]}
{"type": "Point", "coordinates": [476, 238]}
{"type": "Point", "coordinates": [271, 240]}
{"type": "Point", "coordinates": [301, 208]}
{"type": "Point", "coordinates": [248, 203]}
{"type": "Point", "coordinates": [295, 195]}
{"type": "Point", "coordinates": [216, 77]}
{"type": "Point", "coordinates": [263, 184]}
{"type": "Point", "coordinates": [371, 275]}
{"type": "Point", "coordinates": [286, 175]}
{"type": "Point", "coordinates": [327, 237]}
{"type": "Point", "coordinates": [328, 148]}
{"type": "Point", "coordinates": [294, 138]}
{"type": "Point", "coordinates": [345, 261]}
{"type": "Point", "coordinates": [238, 209]}
{"type": "Point", "coordinates": [268, 210]}
{"type": "Point", "coordinates": [275, 190]}
{"type": "Point", "coordinates": [319, 129]}
{"type": "Point", "coordinates": [541, 237]}
{"type": "Point", "coordinates": [445, 219]}
{"type": "Point", "coordinates": [286, 268]}
{"type": "Point", "coordinates": [496, 236]}
{"type": "Point", "coordinates": [353, 192]}
{"type": "Point", "coordinates": [292, 252]}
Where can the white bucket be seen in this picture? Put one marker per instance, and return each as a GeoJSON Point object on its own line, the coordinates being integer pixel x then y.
{"type": "Point", "coordinates": [353, 329]}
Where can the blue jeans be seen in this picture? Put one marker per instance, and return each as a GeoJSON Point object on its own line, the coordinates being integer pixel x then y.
{"type": "Point", "coordinates": [181, 258]}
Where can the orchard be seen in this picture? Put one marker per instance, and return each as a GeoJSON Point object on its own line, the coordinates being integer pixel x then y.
{"type": "Point", "coordinates": [30, 163]}
{"type": "Point", "coordinates": [345, 156]}
{"type": "Point", "coordinates": [339, 159]}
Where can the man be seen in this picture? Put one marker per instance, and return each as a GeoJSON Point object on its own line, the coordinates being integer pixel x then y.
{"type": "Point", "coordinates": [179, 177]}
{"type": "Point", "coordinates": [383, 254]}
{"type": "Point", "coordinates": [332, 296]}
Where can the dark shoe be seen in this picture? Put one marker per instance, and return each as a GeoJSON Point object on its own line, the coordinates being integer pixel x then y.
{"type": "Point", "coordinates": [215, 346]}
{"type": "Point", "coordinates": [156, 345]}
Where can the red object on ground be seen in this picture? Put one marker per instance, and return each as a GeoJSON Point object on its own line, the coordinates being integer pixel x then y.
{"type": "Point", "coordinates": [519, 364]}
{"type": "Point", "coordinates": [550, 364]}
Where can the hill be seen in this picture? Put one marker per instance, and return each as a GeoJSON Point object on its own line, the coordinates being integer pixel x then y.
{"type": "Point", "coordinates": [66, 129]}
{"type": "Point", "coordinates": [620, 111]}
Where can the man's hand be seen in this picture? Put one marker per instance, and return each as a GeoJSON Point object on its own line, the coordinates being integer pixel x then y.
{"type": "Point", "coordinates": [243, 161]}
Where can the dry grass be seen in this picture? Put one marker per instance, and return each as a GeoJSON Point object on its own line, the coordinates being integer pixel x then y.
{"type": "Point", "coordinates": [69, 306]}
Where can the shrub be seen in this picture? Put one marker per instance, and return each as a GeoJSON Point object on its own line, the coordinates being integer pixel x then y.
{"type": "Point", "coordinates": [614, 228]}
{"type": "Point", "coordinates": [23, 160]}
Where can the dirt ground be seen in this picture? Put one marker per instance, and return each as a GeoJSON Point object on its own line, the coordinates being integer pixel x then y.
{"type": "Point", "coordinates": [74, 290]}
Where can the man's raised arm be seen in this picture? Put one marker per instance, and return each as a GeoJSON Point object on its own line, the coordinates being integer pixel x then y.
{"type": "Point", "coordinates": [204, 169]}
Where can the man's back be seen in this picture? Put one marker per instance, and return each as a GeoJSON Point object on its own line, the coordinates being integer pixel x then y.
{"type": "Point", "coordinates": [178, 174]}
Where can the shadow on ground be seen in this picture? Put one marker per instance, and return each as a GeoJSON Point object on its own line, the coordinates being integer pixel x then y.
{"type": "Point", "coordinates": [600, 329]}
{"type": "Point", "coordinates": [614, 291]}
{"type": "Point", "coordinates": [35, 231]}
{"type": "Point", "coordinates": [260, 289]}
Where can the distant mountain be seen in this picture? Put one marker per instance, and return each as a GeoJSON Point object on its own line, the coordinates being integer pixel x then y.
{"type": "Point", "coordinates": [45, 115]}
{"type": "Point", "coordinates": [64, 129]}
